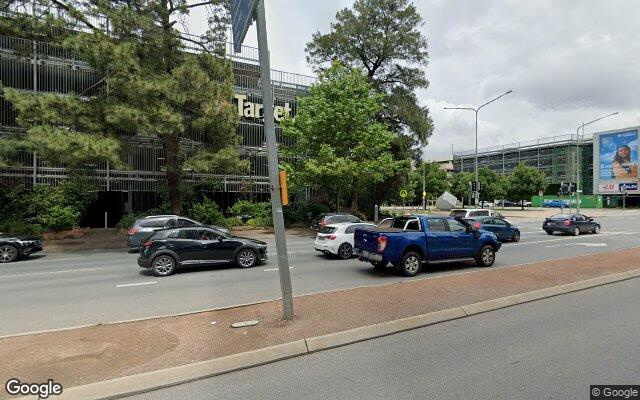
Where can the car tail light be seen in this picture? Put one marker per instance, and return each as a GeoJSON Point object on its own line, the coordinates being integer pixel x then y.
{"type": "Point", "coordinates": [133, 231]}
{"type": "Point", "coordinates": [148, 244]}
{"type": "Point", "coordinates": [331, 237]}
{"type": "Point", "coordinates": [323, 223]}
{"type": "Point", "coordinates": [567, 222]}
{"type": "Point", "coordinates": [477, 225]}
{"type": "Point", "coordinates": [382, 243]}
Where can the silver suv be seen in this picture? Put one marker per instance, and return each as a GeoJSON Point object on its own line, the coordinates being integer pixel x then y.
{"type": "Point", "coordinates": [144, 226]}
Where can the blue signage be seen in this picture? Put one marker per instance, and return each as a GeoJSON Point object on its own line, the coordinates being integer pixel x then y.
{"type": "Point", "coordinates": [242, 12]}
{"type": "Point", "coordinates": [628, 186]}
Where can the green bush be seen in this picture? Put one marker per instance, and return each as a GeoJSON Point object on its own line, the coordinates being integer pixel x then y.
{"type": "Point", "coordinates": [20, 228]}
{"type": "Point", "coordinates": [303, 212]}
{"type": "Point", "coordinates": [261, 222]}
{"type": "Point", "coordinates": [128, 219]}
{"type": "Point", "coordinates": [207, 212]}
{"type": "Point", "coordinates": [232, 221]}
{"type": "Point", "coordinates": [59, 218]}
{"type": "Point", "coordinates": [255, 210]}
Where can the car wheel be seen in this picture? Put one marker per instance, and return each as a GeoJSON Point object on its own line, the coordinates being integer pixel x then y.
{"type": "Point", "coordinates": [379, 264]}
{"type": "Point", "coordinates": [576, 231]}
{"type": "Point", "coordinates": [163, 265]}
{"type": "Point", "coordinates": [516, 236]}
{"type": "Point", "coordinates": [596, 229]}
{"type": "Point", "coordinates": [8, 253]}
{"type": "Point", "coordinates": [345, 251]}
{"type": "Point", "coordinates": [410, 264]}
{"type": "Point", "coordinates": [247, 258]}
{"type": "Point", "coordinates": [549, 232]}
{"type": "Point", "coordinates": [486, 256]}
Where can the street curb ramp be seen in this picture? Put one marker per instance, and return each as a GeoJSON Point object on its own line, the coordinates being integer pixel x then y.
{"type": "Point", "coordinates": [154, 380]}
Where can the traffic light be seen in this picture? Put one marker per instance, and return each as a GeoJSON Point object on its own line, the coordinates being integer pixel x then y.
{"type": "Point", "coordinates": [475, 186]}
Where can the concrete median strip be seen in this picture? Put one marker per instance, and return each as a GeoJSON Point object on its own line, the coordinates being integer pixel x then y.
{"type": "Point", "coordinates": [149, 381]}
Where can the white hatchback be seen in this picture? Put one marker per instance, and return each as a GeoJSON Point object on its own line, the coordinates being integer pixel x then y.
{"type": "Point", "coordinates": [337, 239]}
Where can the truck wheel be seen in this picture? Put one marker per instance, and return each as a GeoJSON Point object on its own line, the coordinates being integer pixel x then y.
{"type": "Point", "coordinates": [379, 264]}
{"type": "Point", "coordinates": [410, 264]}
{"type": "Point", "coordinates": [486, 256]}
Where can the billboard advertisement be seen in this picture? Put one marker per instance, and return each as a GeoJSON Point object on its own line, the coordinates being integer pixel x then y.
{"type": "Point", "coordinates": [615, 161]}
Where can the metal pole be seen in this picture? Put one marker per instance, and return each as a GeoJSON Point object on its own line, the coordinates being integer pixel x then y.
{"type": "Point", "coordinates": [272, 158]}
{"type": "Point", "coordinates": [35, 168]}
{"type": "Point", "coordinates": [578, 169]}
{"type": "Point", "coordinates": [477, 194]}
{"type": "Point", "coordinates": [424, 196]}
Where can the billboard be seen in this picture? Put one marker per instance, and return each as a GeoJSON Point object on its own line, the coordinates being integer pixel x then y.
{"type": "Point", "coordinates": [615, 161]}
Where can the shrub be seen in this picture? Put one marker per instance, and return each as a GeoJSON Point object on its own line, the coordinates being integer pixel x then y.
{"type": "Point", "coordinates": [127, 220]}
{"type": "Point", "coordinates": [207, 212]}
{"type": "Point", "coordinates": [20, 228]}
{"type": "Point", "coordinates": [59, 218]}
{"type": "Point", "coordinates": [255, 210]}
{"type": "Point", "coordinates": [232, 221]}
{"type": "Point", "coordinates": [303, 212]}
{"type": "Point", "coordinates": [261, 222]}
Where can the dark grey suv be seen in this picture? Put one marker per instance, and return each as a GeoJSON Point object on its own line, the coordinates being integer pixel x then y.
{"type": "Point", "coordinates": [145, 226]}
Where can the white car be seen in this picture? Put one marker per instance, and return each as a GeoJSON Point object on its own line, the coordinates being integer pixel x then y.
{"type": "Point", "coordinates": [474, 212]}
{"type": "Point", "coordinates": [337, 239]}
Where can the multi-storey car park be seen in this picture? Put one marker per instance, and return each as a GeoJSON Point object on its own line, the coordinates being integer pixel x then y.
{"type": "Point", "coordinates": [42, 67]}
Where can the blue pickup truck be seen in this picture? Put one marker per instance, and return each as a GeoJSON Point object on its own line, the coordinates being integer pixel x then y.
{"type": "Point", "coordinates": [409, 241]}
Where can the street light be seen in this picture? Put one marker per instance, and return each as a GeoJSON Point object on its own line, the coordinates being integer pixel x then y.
{"type": "Point", "coordinates": [477, 194]}
{"type": "Point", "coordinates": [578, 155]}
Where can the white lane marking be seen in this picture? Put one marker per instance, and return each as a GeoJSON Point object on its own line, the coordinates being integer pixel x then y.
{"type": "Point", "coordinates": [274, 269]}
{"type": "Point", "coordinates": [570, 238]}
{"type": "Point", "coordinates": [580, 244]}
{"type": "Point", "coordinates": [137, 284]}
{"type": "Point", "coordinates": [51, 260]}
{"type": "Point", "coordinates": [51, 272]}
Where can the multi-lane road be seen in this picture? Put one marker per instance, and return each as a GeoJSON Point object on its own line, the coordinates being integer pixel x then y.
{"type": "Point", "coordinates": [61, 290]}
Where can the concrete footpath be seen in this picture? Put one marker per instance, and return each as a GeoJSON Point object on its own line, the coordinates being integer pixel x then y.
{"type": "Point", "coordinates": [82, 356]}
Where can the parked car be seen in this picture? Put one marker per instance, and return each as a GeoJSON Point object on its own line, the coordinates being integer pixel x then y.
{"type": "Point", "coordinates": [141, 228]}
{"type": "Point", "coordinates": [414, 240]}
{"type": "Point", "coordinates": [525, 203]}
{"type": "Point", "coordinates": [574, 224]}
{"type": "Point", "coordinates": [166, 250]}
{"type": "Point", "coordinates": [15, 247]}
{"type": "Point", "coordinates": [337, 239]}
{"type": "Point", "coordinates": [473, 213]}
{"type": "Point", "coordinates": [506, 203]}
{"type": "Point", "coordinates": [333, 218]}
{"type": "Point", "coordinates": [504, 230]}
{"type": "Point", "coordinates": [557, 203]}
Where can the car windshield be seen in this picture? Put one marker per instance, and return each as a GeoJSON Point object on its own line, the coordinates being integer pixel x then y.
{"type": "Point", "coordinates": [327, 229]}
{"type": "Point", "coordinates": [560, 216]}
{"type": "Point", "coordinates": [458, 213]}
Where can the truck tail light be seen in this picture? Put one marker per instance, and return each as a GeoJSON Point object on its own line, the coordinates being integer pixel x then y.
{"type": "Point", "coordinates": [477, 225]}
{"type": "Point", "coordinates": [382, 243]}
{"type": "Point", "coordinates": [567, 222]}
{"type": "Point", "coordinates": [331, 237]}
{"type": "Point", "coordinates": [133, 231]}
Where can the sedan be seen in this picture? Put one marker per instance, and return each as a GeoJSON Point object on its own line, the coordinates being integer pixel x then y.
{"type": "Point", "coordinates": [15, 247]}
{"type": "Point", "coordinates": [556, 203]}
{"type": "Point", "coordinates": [166, 250]}
{"type": "Point", "coordinates": [574, 224]}
{"type": "Point", "coordinates": [337, 239]}
{"type": "Point", "coordinates": [501, 227]}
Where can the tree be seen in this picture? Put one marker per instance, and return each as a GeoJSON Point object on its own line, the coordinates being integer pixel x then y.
{"type": "Point", "coordinates": [149, 86]}
{"type": "Point", "coordinates": [339, 146]}
{"type": "Point", "coordinates": [525, 182]}
{"type": "Point", "coordinates": [460, 185]}
{"type": "Point", "coordinates": [435, 179]}
{"type": "Point", "coordinates": [383, 38]}
{"type": "Point", "coordinates": [491, 185]}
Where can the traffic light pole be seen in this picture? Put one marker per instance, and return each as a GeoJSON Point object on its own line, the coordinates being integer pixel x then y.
{"type": "Point", "coordinates": [272, 159]}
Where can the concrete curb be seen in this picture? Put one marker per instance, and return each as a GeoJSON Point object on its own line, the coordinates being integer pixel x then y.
{"type": "Point", "coordinates": [149, 381]}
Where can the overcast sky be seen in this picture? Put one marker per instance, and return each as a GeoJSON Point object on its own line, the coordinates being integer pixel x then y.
{"type": "Point", "coordinates": [566, 62]}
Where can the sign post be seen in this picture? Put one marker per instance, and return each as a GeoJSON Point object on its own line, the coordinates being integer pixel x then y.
{"type": "Point", "coordinates": [242, 12]}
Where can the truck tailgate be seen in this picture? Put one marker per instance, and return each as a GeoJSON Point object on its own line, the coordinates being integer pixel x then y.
{"type": "Point", "coordinates": [364, 239]}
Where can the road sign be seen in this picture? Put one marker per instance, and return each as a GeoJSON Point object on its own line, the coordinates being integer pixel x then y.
{"type": "Point", "coordinates": [424, 194]}
{"type": "Point", "coordinates": [403, 193]}
{"type": "Point", "coordinates": [242, 12]}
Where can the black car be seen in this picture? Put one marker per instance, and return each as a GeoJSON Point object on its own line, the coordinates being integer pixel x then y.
{"type": "Point", "coordinates": [15, 247]}
{"type": "Point", "coordinates": [574, 224]}
{"type": "Point", "coordinates": [333, 218]}
{"type": "Point", "coordinates": [164, 251]}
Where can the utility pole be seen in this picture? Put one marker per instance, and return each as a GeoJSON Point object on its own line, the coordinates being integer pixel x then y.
{"type": "Point", "coordinates": [424, 194]}
{"type": "Point", "coordinates": [476, 110]}
{"type": "Point", "coordinates": [272, 159]}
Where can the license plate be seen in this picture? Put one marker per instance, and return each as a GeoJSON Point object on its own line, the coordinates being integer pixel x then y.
{"type": "Point", "coordinates": [320, 238]}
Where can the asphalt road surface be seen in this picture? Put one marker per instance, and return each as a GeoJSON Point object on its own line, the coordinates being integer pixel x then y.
{"type": "Point", "coordinates": [549, 349]}
{"type": "Point", "coordinates": [50, 291]}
